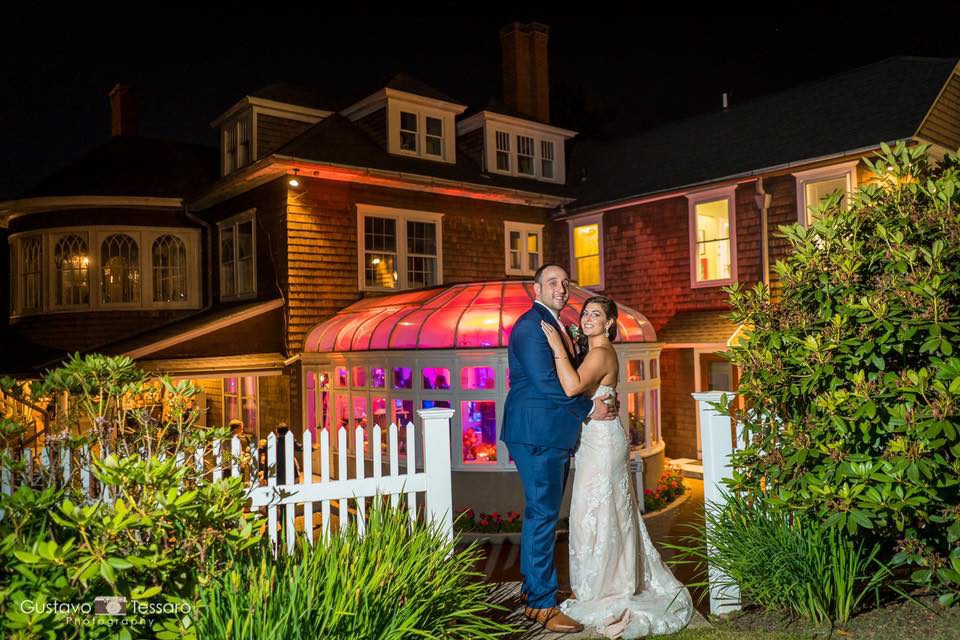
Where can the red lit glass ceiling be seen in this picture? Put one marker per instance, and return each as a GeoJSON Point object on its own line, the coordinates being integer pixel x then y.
{"type": "Point", "coordinates": [475, 315]}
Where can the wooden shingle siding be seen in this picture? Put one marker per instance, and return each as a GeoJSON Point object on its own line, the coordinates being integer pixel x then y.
{"type": "Point", "coordinates": [87, 330]}
{"type": "Point", "coordinates": [942, 125]}
{"type": "Point", "coordinates": [647, 256]}
{"type": "Point", "coordinates": [273, 132]}
{"type": "Point", "coordinates": [472, 145]}
{"type": "Point", "coordinates": [273, 397]}
{"type": "Point", "coordinates": [322, 241]}
{"type": "Point", "coordinates": [678, 420]}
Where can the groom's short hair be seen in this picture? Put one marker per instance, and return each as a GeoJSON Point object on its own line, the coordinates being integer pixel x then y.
{"type": "Point", "coordinates": [538, 275]}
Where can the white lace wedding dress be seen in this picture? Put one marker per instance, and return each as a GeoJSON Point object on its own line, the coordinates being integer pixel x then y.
{"type": "Point", "coordinates": [618, 591]}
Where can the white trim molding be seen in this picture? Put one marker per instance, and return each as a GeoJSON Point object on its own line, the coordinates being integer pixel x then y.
{"type": "Point", "coordinates": [525, 229]}
{"type": "Point", "coordinates": [401, 218]}
{"type": "Point", "coordinates": [729, 194]}
{"type": "Point", "coordinates": [847, 170]}
{"type": "Point", "coordinates": [234, 222]}
{"type": "Point", "coordinates": [574, 224]}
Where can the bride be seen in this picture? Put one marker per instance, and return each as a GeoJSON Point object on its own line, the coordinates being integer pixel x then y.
{"type": "Point", "coordinates": [616, 589]}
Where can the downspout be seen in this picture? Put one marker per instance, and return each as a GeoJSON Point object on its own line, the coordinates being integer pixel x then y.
{"type": "Point", "coordinates": [763, 203]}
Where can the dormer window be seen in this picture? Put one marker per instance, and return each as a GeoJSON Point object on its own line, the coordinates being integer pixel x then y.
{"type": "Point", "coordinates": [518, 147]}
{"type": "Point", "coordinates": [408, 131]}
{"type": "Point", "coordinates": [434, 135]}
{"type": "Point", "coordinates": [422, 134]}
{"type": "Point", "coordinates": [236, 145]}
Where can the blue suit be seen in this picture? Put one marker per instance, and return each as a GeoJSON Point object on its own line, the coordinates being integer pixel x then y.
{"type": "Point", "coordinates": [541, 427]}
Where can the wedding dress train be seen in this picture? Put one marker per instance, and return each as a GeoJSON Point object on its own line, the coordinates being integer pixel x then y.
{"type": "Point", "coordinates": [618, 591]}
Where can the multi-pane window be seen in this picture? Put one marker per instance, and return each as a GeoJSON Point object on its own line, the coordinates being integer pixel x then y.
{"type": "Point", "coordinates": [240, 403]}
{"type": "Point", "coordinates": [586, 254]}
{"type": "Point", "coordinates": [408, 131]}
{"type": "Point", "coordinates": [169, 263]}
{"type": "Point", "coordinates": [524, 250]}
{"type": "Point", "coordinates": [421, 254]}
{"type": "Point", "coordinates": [525, 159]}
{"type": "Point", "coordinates": [237, 144]}
{"type": "Point", "coordinates": [400, 249]}
{"type": "Point", "coordinates": [72, 266]}
{"type": "Point", "coordinates": [119, 270]}
{"type": "Point", "coordinates": [238, 257]}
{"type": "Point", "coordinates": [546, 159]}
{"type": "Point", "coordinates": [30, 284]}
{"type": "Point", "coordinates": [380, 252]}
{"type": "Point", "coordinates": [434, 134]}
{"type": "Point", "coordinates": [712, 259]}
{"type": "Point", "coordinates": [503, 151]}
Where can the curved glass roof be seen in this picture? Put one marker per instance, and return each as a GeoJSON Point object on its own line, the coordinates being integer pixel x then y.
{"type": "Point", "coordinates": [476, 315]}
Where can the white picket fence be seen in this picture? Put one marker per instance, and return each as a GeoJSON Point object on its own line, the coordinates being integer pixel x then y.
{"type": "Point", "coordinates": [400, 481]}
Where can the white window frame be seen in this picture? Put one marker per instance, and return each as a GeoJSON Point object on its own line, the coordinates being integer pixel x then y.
{"type": "Point", "coordinates": [846, 170]}
{"type": "Point", "coordinates": [514, 135]}
{"type": "Point", "coordinates": [728, 193]}
{"type": "Point", "coordinates": [250, 215]}
{"type": "Point", "coordinates": [422, 111]}
{"type": "Point", "coordinates": [523, 228]}
{"type": "Point", "coordinates": [572, 224]}
{"type": "Point", "coordinates": [94, 237]}
{"type": "Point", "coordinates": [16, 274]}
{"type": "Point", "coordinates": [233, 127]}
{"type": "Point", "coordinates": [401, 216]}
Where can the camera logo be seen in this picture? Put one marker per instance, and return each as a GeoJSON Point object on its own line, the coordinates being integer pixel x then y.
{"type": "Point", "coordinates": [110, 606]}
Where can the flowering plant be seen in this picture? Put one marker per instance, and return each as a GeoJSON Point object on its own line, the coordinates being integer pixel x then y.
{"type": "Point", "coordinates": [573, 330]}
{"type": "Point", "coordinates": [669, 488]}
{"type": "Point", "coordinates": [467, 520]}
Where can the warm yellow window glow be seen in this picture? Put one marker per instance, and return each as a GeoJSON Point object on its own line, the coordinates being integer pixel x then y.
{"type": "Point", "coordinates": [586, 252]}
{"type": "Point", "coordinates": [815, 192]}
{"type": "Point", "coordinates": [712, 260]}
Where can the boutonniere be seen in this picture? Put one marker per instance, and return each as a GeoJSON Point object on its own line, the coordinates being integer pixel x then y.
{"type": "Point", "coordinates": [574, 332]}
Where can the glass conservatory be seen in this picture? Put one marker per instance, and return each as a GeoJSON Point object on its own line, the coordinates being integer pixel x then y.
{"type": "Point", "coordinates": [380, 359]}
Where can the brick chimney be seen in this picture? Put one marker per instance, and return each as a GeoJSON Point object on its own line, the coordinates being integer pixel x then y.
{"type": "Point", "coordinates": [526, 85]}
{"type": "Point", "coordinates": [123, 111]}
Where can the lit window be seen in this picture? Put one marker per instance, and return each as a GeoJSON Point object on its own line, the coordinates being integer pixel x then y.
{"type": "Point", "coordinates": [546, 159]}
{"type": "Point", "coordinates": [238, 257]}
{"type": "Point", "coordinates": [816, 185]}
{"type": "Point", "coordinates": [169, 262]}
{"type": "Point", "coordinates": [478, 378]}
{"type": "Point", "coordinates": [240, 403]}
{"type": "Point", "coordinates": [399, 249]}
{"type": "Point", "coordinates": [635, 370]}
{"type": "Point", "coordinates": [408, 131]}
{"type": "Point", "coordinates": [436, 378]}
{"type": "Point", "coordinates": [434, 136]}
{"type": "Point", "coordinates": [72, 265]}
{"type": "Point", "coordinates": [119, 269]}
{"type": "Point", "coordinates": [525, 158]}
{"type": "Point", "coordinates": [359, 377]}
{"type": "Point", "coordinates": [712, 233]}
{"type": "Point", "coordinates": [503, 151]}
{"type": "Point", "coordinates": [585, 244]}
{"type": "Point", "coordinates": [479, 431]}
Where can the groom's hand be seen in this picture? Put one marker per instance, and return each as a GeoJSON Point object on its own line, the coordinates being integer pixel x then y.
{"type": "Point", "coordinates": [601, 411]}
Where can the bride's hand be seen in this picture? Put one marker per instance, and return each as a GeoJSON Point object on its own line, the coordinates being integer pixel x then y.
{"type": "Point", "coordinates": [553, 338]}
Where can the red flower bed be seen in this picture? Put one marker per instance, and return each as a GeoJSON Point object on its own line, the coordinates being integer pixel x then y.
{"type": "Point", "coordinates": [669, 488]}
{"type": "Point", "coordinates": [469, 520]}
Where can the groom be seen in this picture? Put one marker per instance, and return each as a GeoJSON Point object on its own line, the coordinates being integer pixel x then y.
{"type": "Point", "coordinates": [541, 427]}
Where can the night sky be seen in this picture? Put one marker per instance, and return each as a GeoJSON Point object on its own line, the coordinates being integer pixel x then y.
{"type": "Point", "coordinates": [612, 71]}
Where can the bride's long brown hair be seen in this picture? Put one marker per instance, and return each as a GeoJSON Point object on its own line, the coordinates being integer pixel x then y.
{"type": "Point", "coordinates": [610, 310]}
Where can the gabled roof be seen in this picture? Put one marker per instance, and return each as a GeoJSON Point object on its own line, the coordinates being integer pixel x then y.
{"type": "Point", "coordinates": [852, 111]}
{"type": "Point", "coordinates": [297, 94]}
{"type": "Point", "coordinates": [129, 166]}
{"type": "Point", "coordinates": [408, 84]}
{"type": "Point", "coordinates": [338, 141]}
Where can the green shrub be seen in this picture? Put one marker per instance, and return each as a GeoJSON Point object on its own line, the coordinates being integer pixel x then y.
{"type": "Point", "coordinates": [168, 529]}
{"type": "Point", "coordinates": [396, 581]}
{"type": "Point", "coordinates": [803, 568]}
{"type": "Point", "coordinates": [850, 370]}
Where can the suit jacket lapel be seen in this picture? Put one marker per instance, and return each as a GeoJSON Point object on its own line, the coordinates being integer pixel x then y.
{"type": "Point", "coordinates": [567, 342]}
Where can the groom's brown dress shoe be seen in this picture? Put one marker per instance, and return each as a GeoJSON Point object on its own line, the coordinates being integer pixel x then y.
{"type": "Point", "coordinates": [553, 620]}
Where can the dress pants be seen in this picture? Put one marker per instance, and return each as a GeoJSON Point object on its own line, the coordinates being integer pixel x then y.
{"type": "Point", "coordinates": [543, 472]}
